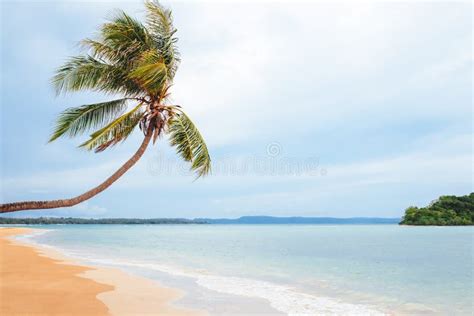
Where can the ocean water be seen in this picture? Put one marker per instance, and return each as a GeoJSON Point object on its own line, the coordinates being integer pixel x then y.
{"type": "Point", "coordinates": [289, 269]}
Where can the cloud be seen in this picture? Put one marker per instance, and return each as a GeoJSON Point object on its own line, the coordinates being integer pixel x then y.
{"type": "Point", "coordinates": [87, 209]}
{"type": "Point", "coordinates": [381, 91]}
{"type": "Point", "coordinates": [246, 74]}
{"type": "Point", "coordinates": [437, 159]}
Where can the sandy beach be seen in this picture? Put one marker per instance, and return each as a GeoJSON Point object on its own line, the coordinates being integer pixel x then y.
{"type": "Point", "coordinates": [37, 281]}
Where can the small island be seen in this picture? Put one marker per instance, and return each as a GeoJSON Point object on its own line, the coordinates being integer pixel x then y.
{"type": "Point", "coordinates": [448, 210]}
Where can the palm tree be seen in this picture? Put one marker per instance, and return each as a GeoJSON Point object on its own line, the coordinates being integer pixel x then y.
{"type": "Point", "coordinates": [138, 62]}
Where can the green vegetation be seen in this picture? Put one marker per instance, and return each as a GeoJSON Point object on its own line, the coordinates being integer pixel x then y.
{"type": "Point", "coordinates": [447, 210]}
{"type": "Point", "coordinates": [71, 220]}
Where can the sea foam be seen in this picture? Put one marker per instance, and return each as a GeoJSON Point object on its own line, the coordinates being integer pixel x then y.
{"type": "Point", "coordinates": [282, 298]}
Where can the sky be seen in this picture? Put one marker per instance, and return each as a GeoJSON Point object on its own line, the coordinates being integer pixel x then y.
{"type": "Point", "coordinates": [338, 109]}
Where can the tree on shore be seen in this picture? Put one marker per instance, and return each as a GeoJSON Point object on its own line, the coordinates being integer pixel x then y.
{"type": "Point", "coordinates": [448, 210]}
{"type": "Point", "coordinates": [137, 61]}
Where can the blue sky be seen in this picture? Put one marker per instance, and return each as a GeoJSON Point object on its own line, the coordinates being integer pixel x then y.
{"type": "Point", "coordinates": [309, 108]}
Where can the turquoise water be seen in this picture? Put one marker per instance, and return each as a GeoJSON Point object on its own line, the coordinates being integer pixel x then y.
{"type": "Point", "coordinates": [296, 269]}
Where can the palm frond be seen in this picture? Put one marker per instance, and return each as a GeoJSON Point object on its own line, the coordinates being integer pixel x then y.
{"type": "Point", "coordinates": [102, 51]}
{"type": "Point", "coordinates": [160, 27]}
{"type": "Point", "coordinates": [77, 120]}
{"type": "Point", "coordinates": [127, 37]}
{"type": "Point", "coordinates": [86, 72]}
{"type": "Point", "coordinates": [81, 72]}
{"type": "Point", "coordinates": [150, 72]}
{"type": "Point", "coordinates": [189, 143]}
{"type": "Point", "coordinates": [116, 131]}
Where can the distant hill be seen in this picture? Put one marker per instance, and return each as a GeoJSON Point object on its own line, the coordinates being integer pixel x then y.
{"type": "Point", "coordinates": [300, 220]}
{"type": "Point", "coordinates": [241, 220]}
{"type": "Point", "coordinates": [448, 210]}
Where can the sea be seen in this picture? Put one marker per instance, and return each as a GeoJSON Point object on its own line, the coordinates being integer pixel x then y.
{"type": "Point", "coordinates": [287, 269]}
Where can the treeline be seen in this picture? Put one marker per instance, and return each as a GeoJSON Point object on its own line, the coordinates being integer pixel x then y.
{"type": "Point", "coordinates": [71, 220]}
{"type": "Point", "coordinates": [447, 210]}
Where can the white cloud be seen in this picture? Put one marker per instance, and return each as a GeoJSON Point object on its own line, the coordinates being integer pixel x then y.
{"type": "Point", "coordinates": [250, 68]}
{"type": "Point", "coordinates": [248, 71]}
{"type": "Point", "coordinates": [437, 159]}
{"type": "Point", "coordinates": [60, 181]}
{"type": "Point", "coordinates": [88, 209]}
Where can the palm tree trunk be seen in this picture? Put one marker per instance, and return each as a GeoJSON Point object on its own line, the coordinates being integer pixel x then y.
{"type": "Point", "coordinates": [38, 205]}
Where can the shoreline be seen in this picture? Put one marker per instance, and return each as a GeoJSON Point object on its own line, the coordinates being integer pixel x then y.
{"type": "Point", "coordinates": [254, 296]}
{"type": "Point", "coordinates": [112, 257]}
{"type": "Point", "coordinates": [37, 280]}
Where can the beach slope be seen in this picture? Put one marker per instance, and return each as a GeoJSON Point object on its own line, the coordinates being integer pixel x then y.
{"type": "Point", "coordinates": [35, 282]}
